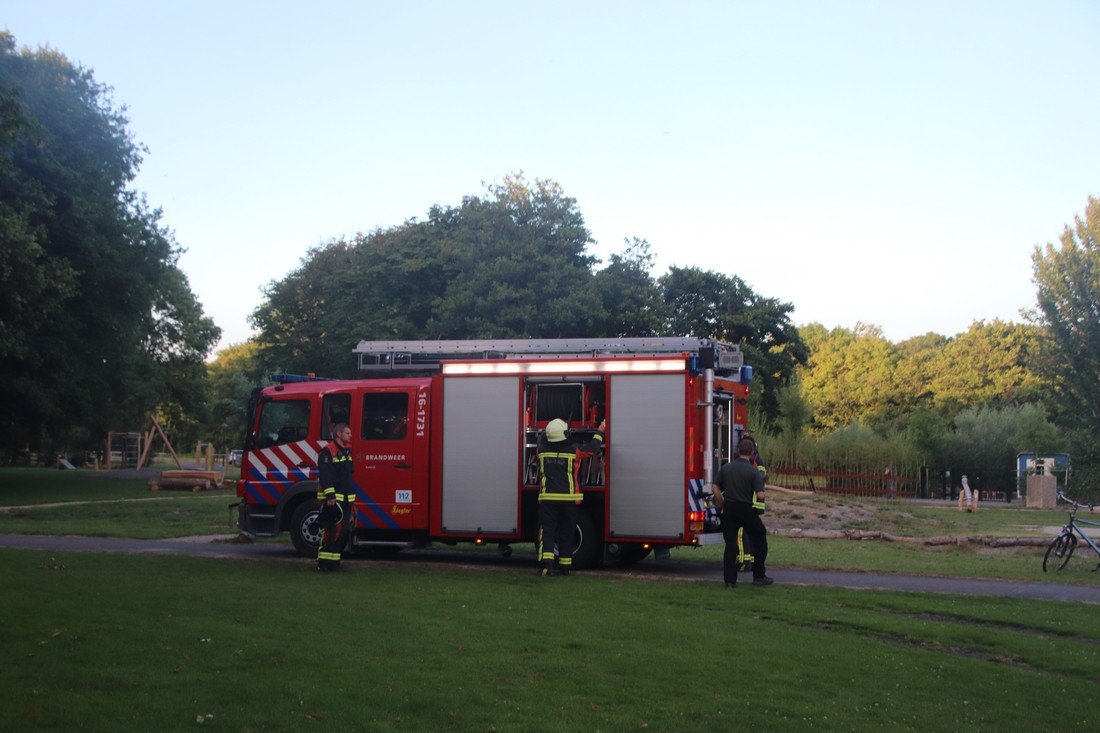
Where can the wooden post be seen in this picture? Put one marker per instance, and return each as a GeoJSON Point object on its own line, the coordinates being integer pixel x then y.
{"type": "Point", "coordinates": [167, 443]}
{"type": "Point", "coordinates": [148, 438]}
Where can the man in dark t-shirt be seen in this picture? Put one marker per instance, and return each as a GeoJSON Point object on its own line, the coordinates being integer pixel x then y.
{"type": "Point", "coordinates": [739, 484]}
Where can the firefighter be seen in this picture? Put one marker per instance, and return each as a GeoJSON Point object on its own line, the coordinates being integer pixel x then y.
{"type": "Point", "coordinates": [560, 493]}
{"type": "Point", "coordinates": [738, 491]}
{"type": "Point", "coordinates": [758, 462]}
{"type": "Point", "coordinates": [337, 496]}
{"type": "Point", "coordinates": [756, 459]}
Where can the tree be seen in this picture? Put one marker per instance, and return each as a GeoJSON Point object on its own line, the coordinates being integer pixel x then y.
{"type": "Point", "coordinates": [926, 432]}
{"type": "Point", "coordinates": [631, 299]}
{"type": "Point", "coordinates": [1067, 279]}
{"type": "Point", "coordinates": [987, 365]}
{"type": "Point", "coordinates": [33, 284]}
{"type": "Point", "coordinates": [916, 368]}
{"type": "Point", "coordinates": [986, 440]}
{"type": "Point", "coordinates": [723, 307]}
{"type": "Point", "coordinates": [511, 264]}
{"type": "Point", "coordinates": [307, 322]}
{"type": "Point", "coordinates": [794, 416]}
{"type": "Point", "coordinates": [231, 377]}
{"type": "Point", "coordinates": [859, 375]}
{"type": "Point", "coordinates": [99, 324]}
{"type": "Point", "coordinates": [525, 270]}
{"type": "Point", "coordinates": [851, 377]}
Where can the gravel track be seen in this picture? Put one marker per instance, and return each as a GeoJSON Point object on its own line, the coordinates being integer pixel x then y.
{"type": "Point", "coordinates": [228, 546]}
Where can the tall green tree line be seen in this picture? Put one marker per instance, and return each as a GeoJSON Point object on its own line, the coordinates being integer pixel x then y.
{"type": "Point", "coordinates": [514, 263]}
{"type": "Point", "coordinates": [974, 399]}
{"type": "Point", "coordinates": [857, 375]}
{"type": "Point", "coordinates": [98, 325]}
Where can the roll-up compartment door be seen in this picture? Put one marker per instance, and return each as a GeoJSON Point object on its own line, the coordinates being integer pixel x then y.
{"type": "Point", "coordinates": [646, 453]}
{"type": "Point", "coordinates": [481, 453]}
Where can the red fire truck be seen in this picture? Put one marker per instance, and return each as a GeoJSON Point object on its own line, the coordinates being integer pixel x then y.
{"type": "Point", "coordinates": [444, 436]}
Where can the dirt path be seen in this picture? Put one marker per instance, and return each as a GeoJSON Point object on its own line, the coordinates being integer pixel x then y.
{"type": "Point", "coordinates": [223, 546]}
{"type": "Point", "coordinates": [791, 513]}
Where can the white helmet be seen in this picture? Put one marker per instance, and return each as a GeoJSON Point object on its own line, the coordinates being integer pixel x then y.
{"type": "Point", "coordinates": [555, 430]}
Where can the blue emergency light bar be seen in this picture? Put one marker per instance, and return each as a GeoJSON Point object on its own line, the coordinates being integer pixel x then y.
{"type": "Point", "coordinates": [289, 378]}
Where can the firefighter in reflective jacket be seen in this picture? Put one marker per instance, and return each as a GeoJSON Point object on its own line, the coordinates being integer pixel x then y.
{"type": "Point", "coordinates": [560, 493]}
{"type": "Point", "coordinates": [337, 496]}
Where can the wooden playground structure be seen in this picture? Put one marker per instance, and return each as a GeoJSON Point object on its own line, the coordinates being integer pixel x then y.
{"type": "Point", "coordinates": [136, 449]}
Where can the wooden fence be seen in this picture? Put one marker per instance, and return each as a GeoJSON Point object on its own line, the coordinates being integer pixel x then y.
{"type": "Point", "coordinates": [847, 481]}
{"type": "Point", "coordinates": [907, 482]}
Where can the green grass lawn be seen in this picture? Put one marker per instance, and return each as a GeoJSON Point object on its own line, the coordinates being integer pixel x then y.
{"type": "Point", "coordinates": [912, 519]}
{"type": "Point", "coordinates": [25, 486]}
{"type": "Point", "coordinates": [876, 556]}
{"type": "Point", "coordinates": [161, 517]}
{"type": "Point", "coordinates": [97, 506]}
{"type": "Point", "coordinates": [20, 486]}
{"type": "Point", "coordinates": [119, 642]}
{"type": "Point", "coordinates": [996, 520]}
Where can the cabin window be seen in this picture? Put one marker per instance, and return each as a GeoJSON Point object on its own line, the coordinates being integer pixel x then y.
{"type": "Point", "coordinates": [385, 416]}
{"type": "Point", "coordinates": [336, 409]}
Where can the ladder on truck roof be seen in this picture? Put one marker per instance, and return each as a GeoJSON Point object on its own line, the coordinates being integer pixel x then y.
{"type": "Point", "coordinates": [401, 355]}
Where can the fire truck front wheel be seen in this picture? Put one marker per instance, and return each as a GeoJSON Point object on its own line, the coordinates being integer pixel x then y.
{"type": "Point", "coordinates": [304, 531]}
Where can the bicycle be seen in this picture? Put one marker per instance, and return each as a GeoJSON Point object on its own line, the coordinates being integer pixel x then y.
{"type": "Point", "coordinates": [1062, 547]}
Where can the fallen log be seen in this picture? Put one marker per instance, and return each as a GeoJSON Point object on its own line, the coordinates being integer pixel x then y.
{"type": "Point", "coordinates": [895, 538]}
{"type": "Point", "coordinates": [1017, 541]}
{"type": "Point", "coordinates": [182, 483]}
{"type": "Point", "coordinates": [861, 535]}
{"type": "Point", "coordinates": [212, 477]}
{"type": "Point", "coordinates": [817, 534]}
{"type": "Point", "coordinates": [194, 480]}
{"type": "Point", "coordinates": [948, 540]}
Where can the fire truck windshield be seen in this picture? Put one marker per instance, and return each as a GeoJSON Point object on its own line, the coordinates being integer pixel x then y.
{"type": "Point", "coordinates": [284, 421]}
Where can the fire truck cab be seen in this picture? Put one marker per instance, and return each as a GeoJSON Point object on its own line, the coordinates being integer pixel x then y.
{"type": "Point", "coordinates": [444, 437]}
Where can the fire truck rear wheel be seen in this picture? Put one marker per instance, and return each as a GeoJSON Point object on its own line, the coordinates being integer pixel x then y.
{"type": "Point", "coordinates": [588, 551]}
{"type": "Point", "coordinates": [304, 531]}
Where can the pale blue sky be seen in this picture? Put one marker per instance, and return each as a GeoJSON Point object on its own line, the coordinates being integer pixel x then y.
{"type": "Point", "coordinates": [888, 162]}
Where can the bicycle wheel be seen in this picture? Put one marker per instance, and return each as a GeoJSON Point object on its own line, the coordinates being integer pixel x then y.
{"type": "Point", "coordinates": [1059, 552]}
